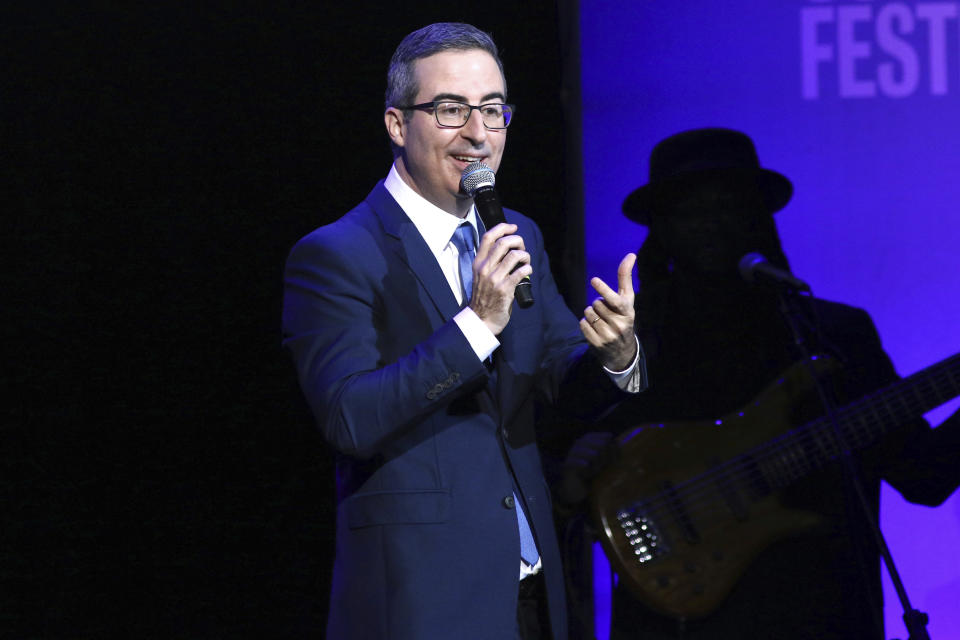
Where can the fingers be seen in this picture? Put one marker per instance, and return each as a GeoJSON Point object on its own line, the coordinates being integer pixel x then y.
{"type": "Point", "coordinates": [592, 316]}
{"type": "Point", "coordinates": [500, 264]}
{"type": "Point", "coordinates": [502, 256]}
{"type": "Point", "coordinates": [506, 263]}
{"type": "Point", "coordinates": [592, 324]}
{"type": "Point", "coordinates": [618, 301]}
{"type": "Point", "coordinates": [605, 312]}
{"type": "Point", "coordinates": [602, 325]}
{"type": "Point", "coordinates": [490, 238]}
{"type": "Point", "coordinates": [625, 274]}
{"type": "Point", "coordinates": [607, 323]}
{"type": "Point", "coordinates": [589, 454]}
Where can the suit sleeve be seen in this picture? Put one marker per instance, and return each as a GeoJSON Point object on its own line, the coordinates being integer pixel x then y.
{"type": "Point", "coordinates": [362, 390]}
{"type": "Point", "coordinates": [571, 378]}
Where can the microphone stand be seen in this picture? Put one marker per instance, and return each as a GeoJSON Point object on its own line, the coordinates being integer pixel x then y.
{"type": "Point", "coordinates": [914, 620]}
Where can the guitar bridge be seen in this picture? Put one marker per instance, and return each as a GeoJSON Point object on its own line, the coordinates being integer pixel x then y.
{"type": "Point", "coordinates": [642, 534]}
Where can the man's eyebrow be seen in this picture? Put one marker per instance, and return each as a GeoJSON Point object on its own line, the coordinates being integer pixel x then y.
{"type": "Point", "coordinates": [454, 97]}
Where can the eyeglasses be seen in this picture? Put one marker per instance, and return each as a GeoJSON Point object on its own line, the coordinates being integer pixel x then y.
{"type": "Point", "coordinates": [453, 115]}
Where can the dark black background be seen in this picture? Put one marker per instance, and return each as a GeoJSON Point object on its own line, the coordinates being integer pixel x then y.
{"type": "Point", "coordinates": [162, 477]}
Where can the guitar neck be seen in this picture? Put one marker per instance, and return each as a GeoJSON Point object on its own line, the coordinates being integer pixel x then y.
{"type": "Point", "coordinates": [861, 423]}
{"type": "Point", "coordinates": [681, 536]}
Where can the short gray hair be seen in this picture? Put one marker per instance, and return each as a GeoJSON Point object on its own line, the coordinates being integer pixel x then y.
{"type": "Point", "coordinates": [441, 36]}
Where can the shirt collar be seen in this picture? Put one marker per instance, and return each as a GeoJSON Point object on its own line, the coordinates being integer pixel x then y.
{"type": "Point", "coordinates": [434, 224]}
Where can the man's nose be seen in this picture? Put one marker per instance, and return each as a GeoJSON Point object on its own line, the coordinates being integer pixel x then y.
{"type": "Point", "coordinates": [474, 130]}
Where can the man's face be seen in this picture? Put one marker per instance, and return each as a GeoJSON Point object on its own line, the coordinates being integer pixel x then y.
{"type": "Point", "coordinates": [432, 158]}
{"type": "Point", "coordinates": [708, 229]}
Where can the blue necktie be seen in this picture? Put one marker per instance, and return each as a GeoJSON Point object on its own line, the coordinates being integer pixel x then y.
{"type": "Point", "coordinates": [528, 548]}
{"type": "Point", "coordinates": [463, 240]}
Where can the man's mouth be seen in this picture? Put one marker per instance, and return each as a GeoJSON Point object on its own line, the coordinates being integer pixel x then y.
{"type": "Point", "coordinates": [469, 159]}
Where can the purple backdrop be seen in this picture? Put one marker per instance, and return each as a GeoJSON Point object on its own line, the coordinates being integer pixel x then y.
{"type": "Point", "coordinates": [858, 103]}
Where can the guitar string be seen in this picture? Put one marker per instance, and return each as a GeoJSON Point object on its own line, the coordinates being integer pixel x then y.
{"type": "Point", "coordinates": [791, 466]}
{"type": "Point", "coordinates": [701, 490]}
{"type": "Point", "coordinates": [812, 431]}
{"type": "Point", "coordinates": [697, 496]}
{"type": "Point", "coordinates": [702, 496]}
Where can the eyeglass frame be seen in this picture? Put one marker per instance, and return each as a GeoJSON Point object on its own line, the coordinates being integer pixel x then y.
{"type": "Point", "coordinates": [432, 105]}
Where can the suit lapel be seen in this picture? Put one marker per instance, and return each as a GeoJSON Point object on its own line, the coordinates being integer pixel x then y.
{"type": "Point", "coordinates": [412, 250]}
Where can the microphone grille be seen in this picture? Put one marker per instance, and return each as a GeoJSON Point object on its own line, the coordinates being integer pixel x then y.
{"type": "Point", "coordinates": [476, 175]}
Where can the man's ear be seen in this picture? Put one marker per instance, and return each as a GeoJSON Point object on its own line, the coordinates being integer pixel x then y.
{"type": "Point", "coordinates": [394, 122]}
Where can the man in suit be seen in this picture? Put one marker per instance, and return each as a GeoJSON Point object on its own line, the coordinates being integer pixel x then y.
{"type": "Point", "coordinates": [422, 372]}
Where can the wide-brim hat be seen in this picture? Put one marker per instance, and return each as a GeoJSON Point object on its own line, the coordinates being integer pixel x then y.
{"type": "Point", "coordinates": [694, 157]}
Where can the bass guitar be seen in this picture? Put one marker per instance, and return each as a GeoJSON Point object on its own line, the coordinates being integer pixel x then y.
{"type": "Point", "coordinates": [686, 507]}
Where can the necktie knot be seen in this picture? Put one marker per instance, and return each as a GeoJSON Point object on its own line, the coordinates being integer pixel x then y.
{"type": "Point", "coordinates": [463, 238]}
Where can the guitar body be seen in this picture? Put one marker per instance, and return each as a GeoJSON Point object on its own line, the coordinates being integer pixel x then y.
{"type": "Point", "coordinates": [682, 512]}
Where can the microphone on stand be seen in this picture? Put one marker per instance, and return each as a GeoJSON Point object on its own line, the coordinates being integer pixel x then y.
{"type": "Point", "coordinates": [755, 268]}
{"type": "Point", "coordinates": [477, 181]}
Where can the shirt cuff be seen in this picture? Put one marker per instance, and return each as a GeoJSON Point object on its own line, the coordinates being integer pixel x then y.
{"type": "Point", "coordinates": [633, 379]}
{"type": "Point", "coordinates": [482, 340]}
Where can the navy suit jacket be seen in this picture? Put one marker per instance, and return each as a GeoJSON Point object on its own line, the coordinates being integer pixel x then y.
{"type": "Point", "coordinates": [431, 443]}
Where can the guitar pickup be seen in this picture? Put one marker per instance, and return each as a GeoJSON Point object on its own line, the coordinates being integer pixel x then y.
{"type": "Point", "coordinates": [679, 511]}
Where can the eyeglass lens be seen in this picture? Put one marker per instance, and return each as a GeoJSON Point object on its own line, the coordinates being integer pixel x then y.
{"type": "Point", "coordinates": [456, 114]}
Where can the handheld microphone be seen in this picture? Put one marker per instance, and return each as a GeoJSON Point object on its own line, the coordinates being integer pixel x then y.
{"type": "Point", "coordinates": [754, 267]}
{"type": "Point", "coordinates": [477, 181]}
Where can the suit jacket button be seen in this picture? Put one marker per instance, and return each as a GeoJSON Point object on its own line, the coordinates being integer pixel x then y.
{"type": "Point", "coordinates": [508, 502]}
{"type": "Point", "coordinates": [505, 433]}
